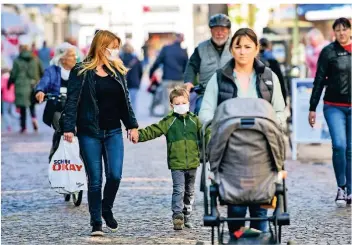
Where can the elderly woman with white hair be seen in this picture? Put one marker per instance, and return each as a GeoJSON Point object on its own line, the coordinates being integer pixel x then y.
{"type": "Point", "coordinates": [316, 42]}
{"type": "Point", "coordinates": [56, 77]}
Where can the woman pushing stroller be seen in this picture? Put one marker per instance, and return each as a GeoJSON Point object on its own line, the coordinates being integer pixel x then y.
{"type": "Point", "coordinates": [243, 76]}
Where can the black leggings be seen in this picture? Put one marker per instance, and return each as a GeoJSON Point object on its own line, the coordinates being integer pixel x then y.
{"type": "Point", "coordinates": [23, 113]}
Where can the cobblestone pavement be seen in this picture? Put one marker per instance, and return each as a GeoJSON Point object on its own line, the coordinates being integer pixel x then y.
{"type": "Point", "coordinates": [34, 214]}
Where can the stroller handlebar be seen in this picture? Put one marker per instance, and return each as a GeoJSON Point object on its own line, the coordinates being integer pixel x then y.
{"type": "Point", "coordinates": [56, 97]}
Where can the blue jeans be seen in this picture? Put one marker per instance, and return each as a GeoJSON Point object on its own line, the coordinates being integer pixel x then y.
{"type": "Point", "coordinates": [109, 145]}
{"type": "Point", "coordinates": [338, 119]}
{"type": "Point", "coordinates": [198, 104]}
{"type": "Point", "coordinates": [133, 96]}
{"type": "Point", "coordinates": [7, 109]}
{"type": "Point", "coordinates": [237, 211]}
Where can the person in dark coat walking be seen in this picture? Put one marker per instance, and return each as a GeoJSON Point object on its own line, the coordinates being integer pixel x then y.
{"type": "Point", "coordinates": [174, 60]}
{"type": "Point", "coordinates": [134, 74]}
{"type": "Point", "coordinates": [267, 57]}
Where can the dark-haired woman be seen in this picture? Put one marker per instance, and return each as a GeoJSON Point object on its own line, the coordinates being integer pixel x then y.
{"type": "Point", "coordinates": [243, 77]}
{"type": "Point", "coordinates": [334, 72]}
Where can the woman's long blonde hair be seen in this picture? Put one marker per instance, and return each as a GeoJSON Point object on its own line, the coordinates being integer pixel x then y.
{"type": "Point", "coordinates": [96, 53]}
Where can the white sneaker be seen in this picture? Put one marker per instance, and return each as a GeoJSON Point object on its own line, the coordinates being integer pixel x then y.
{"type": "Point", "coordinates": [340, 198]}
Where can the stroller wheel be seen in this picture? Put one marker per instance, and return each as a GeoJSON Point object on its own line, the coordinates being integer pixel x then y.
{"type": "Point", "coordinates": [67, 197]}
{"type": "Point", "coordinates": [77, 198]}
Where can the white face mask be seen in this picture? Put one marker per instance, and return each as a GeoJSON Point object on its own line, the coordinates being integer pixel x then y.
{"type": "Point", "coordinates": [64, 73]}
{"type": "Point", "coordinates": [114, 54]}
{"type": "Point", "coordinates": [181, 109]}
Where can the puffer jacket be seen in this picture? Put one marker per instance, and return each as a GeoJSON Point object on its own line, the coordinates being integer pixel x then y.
{"type": "Point", "coordinates": [334, 71]}
{"type": "Point", "coordinates": [81, 109]}
{"type": "Point", "coordinates": [182, 134]}
{"type": "Point", "coordinates": [50, 83]}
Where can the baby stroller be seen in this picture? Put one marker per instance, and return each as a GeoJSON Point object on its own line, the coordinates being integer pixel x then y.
{"type": "Point", "coordinates": [246, 153]}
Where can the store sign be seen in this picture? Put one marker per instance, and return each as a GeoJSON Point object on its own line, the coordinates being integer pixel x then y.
{"type": "Point", "coordinates": [302, 132]}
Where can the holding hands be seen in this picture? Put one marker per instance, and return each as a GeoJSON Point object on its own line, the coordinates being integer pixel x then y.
{"type": "Point", "coordinates": [133, 135]}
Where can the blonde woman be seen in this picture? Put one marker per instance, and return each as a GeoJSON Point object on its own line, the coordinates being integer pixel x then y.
{"type": "Point", "coordinates": [98, 100]}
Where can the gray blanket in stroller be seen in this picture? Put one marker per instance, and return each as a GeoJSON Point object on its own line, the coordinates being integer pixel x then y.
{"type": "Point", "coordinates": [246, 150]}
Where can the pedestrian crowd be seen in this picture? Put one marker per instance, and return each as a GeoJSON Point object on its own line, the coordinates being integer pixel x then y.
{"type": "Point", "coordinates": [101, 94]}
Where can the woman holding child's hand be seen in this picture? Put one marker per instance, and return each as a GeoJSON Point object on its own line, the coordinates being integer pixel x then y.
{"type": "Point", "coordinates": [133, 135]}
{"type": "Point", "coordinates": [97, 101]}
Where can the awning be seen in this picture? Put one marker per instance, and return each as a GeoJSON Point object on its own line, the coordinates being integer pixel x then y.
{"type": "Point", "coordinates": [12, 23]}
{"type": "Point", "coordinates": [290, 24]}
{"type": "Point", "coordinates": [315, 12]}
{"type": "Point", "coordinates": [302, 9]}
{"type": "Point", "coordinates": [43, 8]}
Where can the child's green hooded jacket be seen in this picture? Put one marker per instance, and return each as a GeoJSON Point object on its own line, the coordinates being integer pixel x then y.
{"type": "Point", "coordinates": [183, 136]}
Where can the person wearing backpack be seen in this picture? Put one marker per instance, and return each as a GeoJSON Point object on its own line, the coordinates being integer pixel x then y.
{"type": "Point", "coordinates": [243, 76]}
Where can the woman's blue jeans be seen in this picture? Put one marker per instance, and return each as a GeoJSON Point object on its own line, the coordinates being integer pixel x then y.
{"type": "Point", "coordinates": [338, 119]}
{"type": "Point", "coordinates": [238, 211]}
{"type": "Point", "coordinates": [108, 144]}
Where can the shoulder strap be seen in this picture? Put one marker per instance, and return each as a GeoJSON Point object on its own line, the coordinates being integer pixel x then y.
{"type": "Point", "coordinates": [218, 80]}
{"type": "Point", "coordinates": [218, 75]}
{"type": "Point", "coordinates": [267, 84]}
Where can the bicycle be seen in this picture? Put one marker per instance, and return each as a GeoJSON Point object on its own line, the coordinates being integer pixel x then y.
{"type": "Point", "coordinates": [61, 98]}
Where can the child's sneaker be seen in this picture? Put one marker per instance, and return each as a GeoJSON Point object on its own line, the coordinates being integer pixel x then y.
{"type": "Point", "coordinates": [178, 221]}
{"type": "Point", "coordinates": [348, 199]}
{"type": "Point", "coordinates": [340, 198]}
{"type": "Point", "coordinates": [188, 223]}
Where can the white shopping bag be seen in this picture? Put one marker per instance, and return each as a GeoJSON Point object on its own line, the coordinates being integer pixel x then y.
{"type": "Point", "coordinates": [66, 169]}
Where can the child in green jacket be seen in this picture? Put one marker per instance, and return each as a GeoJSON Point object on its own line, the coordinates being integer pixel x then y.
{"type": "Point", "coordinates": [182, 130]}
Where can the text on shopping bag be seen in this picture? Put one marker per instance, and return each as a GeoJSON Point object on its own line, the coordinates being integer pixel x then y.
{"type": "Point", "coordinates": [66, 165]}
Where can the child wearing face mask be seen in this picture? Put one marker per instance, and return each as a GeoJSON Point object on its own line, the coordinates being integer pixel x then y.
{"type": "Point", "coordinates": [182, 130]}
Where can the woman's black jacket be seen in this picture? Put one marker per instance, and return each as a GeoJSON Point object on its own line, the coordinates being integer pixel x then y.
{"type": "Point", "coordinates": [81, 108]}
